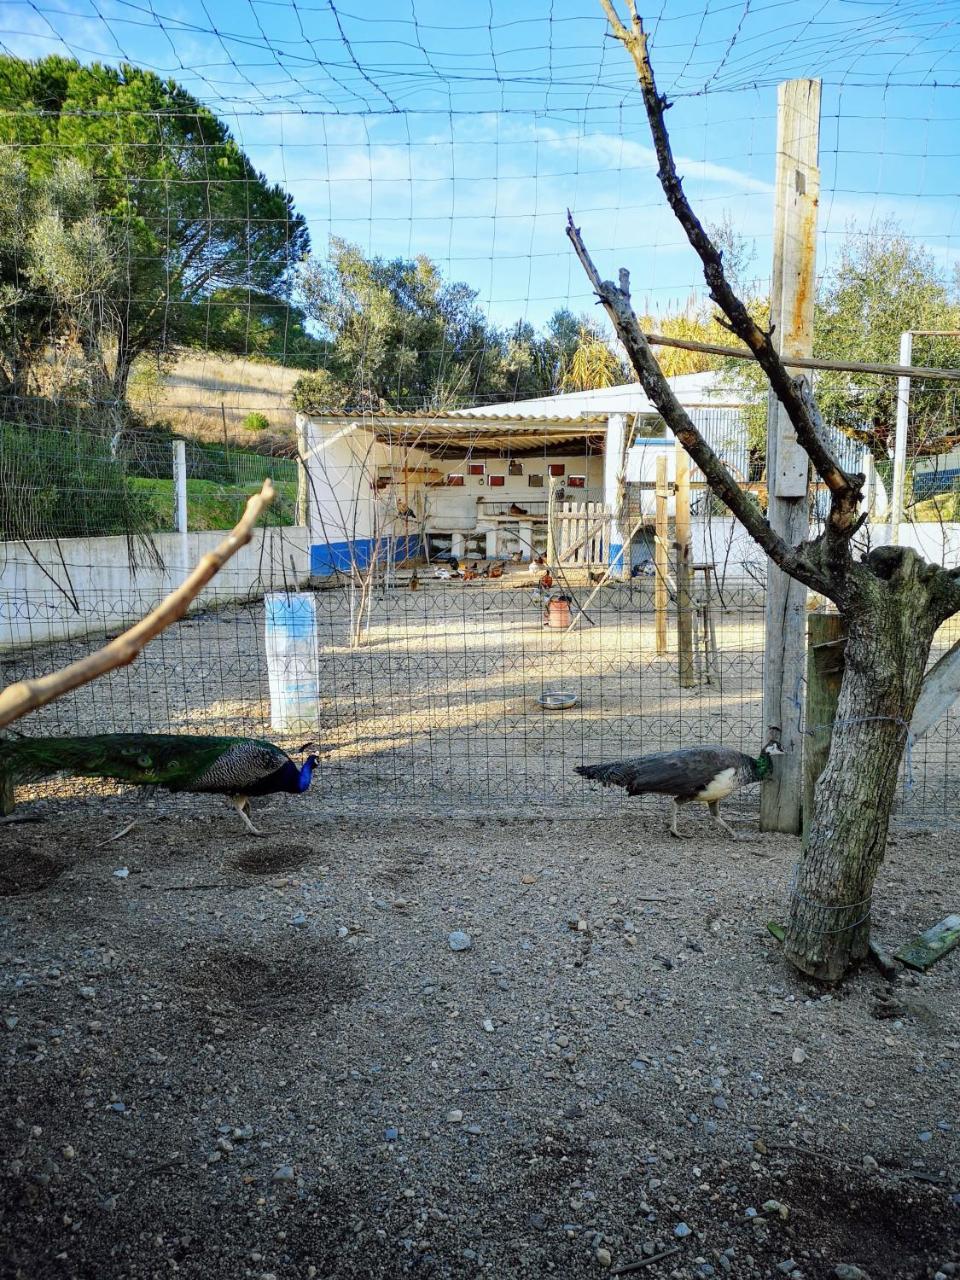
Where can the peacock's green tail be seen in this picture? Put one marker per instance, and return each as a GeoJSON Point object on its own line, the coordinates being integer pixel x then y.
{"type": "Point", "coordinates": [175, 761]}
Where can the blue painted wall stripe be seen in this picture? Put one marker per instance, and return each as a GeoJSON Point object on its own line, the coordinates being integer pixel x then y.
{"type": "Point", "coordinates": [327, 558]}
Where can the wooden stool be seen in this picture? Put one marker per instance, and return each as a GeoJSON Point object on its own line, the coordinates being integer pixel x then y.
{"type": "Point", "coordinates": [705, 643]}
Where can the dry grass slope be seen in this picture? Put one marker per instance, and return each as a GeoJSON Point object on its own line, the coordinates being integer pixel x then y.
{"type": "Point", "coordinates": [203, 391]}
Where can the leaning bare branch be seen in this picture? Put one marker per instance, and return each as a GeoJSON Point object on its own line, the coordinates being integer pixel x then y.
{"type": "Point", "coordinates": [616, 300]}
{"type": "Point", "coordinates": [28, 695]}
{"type": "Point", "coordinates": [788, 390]}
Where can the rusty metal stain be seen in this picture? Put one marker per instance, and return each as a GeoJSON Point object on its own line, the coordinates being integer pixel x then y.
{"type": "Point", "coordinates": [798, 326]}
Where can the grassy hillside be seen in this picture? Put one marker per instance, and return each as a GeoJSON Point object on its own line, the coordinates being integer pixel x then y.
{"type": "Point", "coordinates": [208, 506]}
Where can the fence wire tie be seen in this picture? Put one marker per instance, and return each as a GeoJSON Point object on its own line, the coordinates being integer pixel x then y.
{"type": "Point", "coordinates": [810, 731]}
{"type": "Point", "coordinates": [823, 906]}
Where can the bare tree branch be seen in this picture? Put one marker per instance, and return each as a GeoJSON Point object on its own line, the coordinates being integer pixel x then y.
{"type": "Point", "coordinates": [744, 506]}
{"type": "Point", "coordinates": [27, 695]}
{"type": "Point", "coordinates": [788, 390]}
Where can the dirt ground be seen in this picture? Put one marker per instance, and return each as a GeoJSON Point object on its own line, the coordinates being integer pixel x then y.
{"type": "Point", "coordinates": [262, 1058]}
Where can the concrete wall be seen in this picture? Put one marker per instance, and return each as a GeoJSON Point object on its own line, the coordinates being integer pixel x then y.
{"type": "Point", "coordinates": [725, 543]}
{"type": "Point", "coordinates": [52, 590]}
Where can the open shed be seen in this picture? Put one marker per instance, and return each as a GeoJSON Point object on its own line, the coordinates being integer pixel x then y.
{"type": "Point", "coordinates": [480, 481]}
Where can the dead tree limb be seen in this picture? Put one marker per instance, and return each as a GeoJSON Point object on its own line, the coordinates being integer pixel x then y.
{"type": "Point", "coordinates": [891, 600]}
{"type": "Point", "coordinates": [27, 695]}
{"type": "Point", "coordinates": [616, 301]}
{"type": "Point", "coordinates": [787, 388]}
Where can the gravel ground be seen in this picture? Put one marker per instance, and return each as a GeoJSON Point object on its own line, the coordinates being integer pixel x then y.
{"type": "Point", "coordinates": [264, 1059]}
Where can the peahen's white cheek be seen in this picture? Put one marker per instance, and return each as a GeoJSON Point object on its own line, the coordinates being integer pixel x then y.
{"type": "Point", "coordinates": [720, 787]}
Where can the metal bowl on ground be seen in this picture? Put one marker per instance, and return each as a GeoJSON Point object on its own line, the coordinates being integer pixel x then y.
{"type": "Point", "coordinates": [557, 699]}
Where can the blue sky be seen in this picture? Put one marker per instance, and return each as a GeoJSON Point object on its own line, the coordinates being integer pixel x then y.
{"type": "Point", "coordinates": [465, 129]}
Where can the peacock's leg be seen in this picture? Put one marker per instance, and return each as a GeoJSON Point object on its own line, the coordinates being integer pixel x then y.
{"type": "Point", "coordinates": [675, 814]}
{"type": "Point", "coordinates": [242, 804]}
{"type": "Point", "coordinates": [714, 807]}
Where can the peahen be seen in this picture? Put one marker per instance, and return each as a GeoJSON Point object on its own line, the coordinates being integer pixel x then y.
{"type": "Point", "coordinates": [234, 767]}
{"type": "Point", "coordinates": [707, 774]}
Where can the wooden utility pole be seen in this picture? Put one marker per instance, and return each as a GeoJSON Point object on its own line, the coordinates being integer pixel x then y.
{"type": "Point", "coordinates": [661, 555]}
{"type": "Point", "coordinates": [792, 290]}
{"type": "Point", "coordinates": [824, 676]}
{"type": "Point", "coordinates": [688, 675]}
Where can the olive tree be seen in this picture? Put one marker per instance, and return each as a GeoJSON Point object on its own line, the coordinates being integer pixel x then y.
{"type": "Point", "coordinates": [891, 600]}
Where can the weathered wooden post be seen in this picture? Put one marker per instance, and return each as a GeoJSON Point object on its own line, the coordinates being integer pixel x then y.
{"type": "Point", "coordinates": [661, 555]}
{"type": "Point", "coordinates": [825, 645]}
{"type": "Point", "coordinates": [688, 675]}
{"type": "Point", "coordinates": [792, 289]}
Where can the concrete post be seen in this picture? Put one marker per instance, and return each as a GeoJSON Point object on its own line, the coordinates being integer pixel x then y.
{"type": "Point", "coordinates": [617, 556]}
{"type": "Point", "coordinates": [180, 486]}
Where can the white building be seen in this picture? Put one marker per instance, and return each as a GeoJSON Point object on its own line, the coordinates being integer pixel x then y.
{"type": "Point", "coordinates": [478, 480]}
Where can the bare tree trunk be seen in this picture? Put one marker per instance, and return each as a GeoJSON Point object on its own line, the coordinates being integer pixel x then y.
{"type": "Point", "coordinates": [888, 645]}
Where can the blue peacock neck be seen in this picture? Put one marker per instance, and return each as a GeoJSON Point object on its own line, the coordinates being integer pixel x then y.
{"type": "Point", "coordinates": [305, 775]}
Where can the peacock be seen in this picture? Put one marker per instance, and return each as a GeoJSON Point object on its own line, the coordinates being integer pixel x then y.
{"type": "Point", "coordinates": [707, 774]}
{"type": "Point", "coordinates": [234, 767]}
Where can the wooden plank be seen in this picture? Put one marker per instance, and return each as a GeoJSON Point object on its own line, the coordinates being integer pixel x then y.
{"type": "Point", "coordinates": [661, 555]}
{"type": "Point", "coordinates": [792, 292]}
{"type": "Point", "coordinates": [825, 646]}
{"type": "Point", "coordinates": [932, 945]}
{"type": "Point", "coordinates": [551, 527]}
{"type": "Point", "coordinates": [882, 959]}
{"type": "Point", "coordinates": [688, 676]}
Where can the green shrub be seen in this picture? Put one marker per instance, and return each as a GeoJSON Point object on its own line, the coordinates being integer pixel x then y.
{"type": "Point", "coordinates": [256, 422]}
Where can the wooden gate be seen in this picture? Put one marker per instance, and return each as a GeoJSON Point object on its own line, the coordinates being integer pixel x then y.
{"type": "Point", "coordinates": [580, 530]}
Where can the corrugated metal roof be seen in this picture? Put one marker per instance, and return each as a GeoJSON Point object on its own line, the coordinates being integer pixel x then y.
{"type": "Point", "coordinates": [445, 433]}
{"type": "Point", "coordinates": [693, 390]}
{"type": "Point", "coordinates": [455, 421]}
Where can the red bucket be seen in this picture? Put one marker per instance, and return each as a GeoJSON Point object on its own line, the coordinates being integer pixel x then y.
{"type": "Point", "coordinates": [558, 614]}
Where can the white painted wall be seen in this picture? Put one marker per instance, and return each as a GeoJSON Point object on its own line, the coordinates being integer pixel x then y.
{"type": "Point", "coordinates": [96, 572]}
{"type": "Point", "coordinates": [722, 540]}
{"type": "Point", "coordinates": [462, 508]}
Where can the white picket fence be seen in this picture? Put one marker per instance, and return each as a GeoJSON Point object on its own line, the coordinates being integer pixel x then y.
{"type": "Point", "coordinates": [580, 530]}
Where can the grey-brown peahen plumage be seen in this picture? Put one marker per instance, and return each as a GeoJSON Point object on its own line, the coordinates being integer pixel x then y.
{"type": "Point", "coordinates": [707, 774]}
{"type": "Point", "coordinates": [234, 767]}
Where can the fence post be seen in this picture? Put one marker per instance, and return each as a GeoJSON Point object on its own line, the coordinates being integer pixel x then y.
{"type": "Point", "coordinates": [792, 289]}
{"type": "Point", "coordinates": [303, 477]}
{"type": "Point", "coordinates": [661, 555]}
{"type": "Point", "coordinates": [688, 676]}
{"type": "Point", "coordinates": [180, 486]}
{"type": "Point", "coordinates": [900, 440]}
{"type": "Point", "coordinates": [825, 651]}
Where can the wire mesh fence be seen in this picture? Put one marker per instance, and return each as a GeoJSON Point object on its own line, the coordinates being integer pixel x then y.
{"type": "Point", "coordinates": [70, 482]}
{"type": "Point", "coordinates": [376, 226]}
{"type": "Point", "coordinates": [439, 711]}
